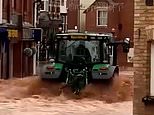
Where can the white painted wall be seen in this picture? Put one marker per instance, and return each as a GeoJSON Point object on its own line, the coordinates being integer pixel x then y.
{"type": "Point", "coordinates": [152, 71]}
{"type": "Point", "coordinates": [84, 4]}
{"type": "Point", "coordinates": [63, 9]}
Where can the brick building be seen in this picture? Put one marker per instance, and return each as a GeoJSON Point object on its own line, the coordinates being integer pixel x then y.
{"type": "Point", "coordinates": [52, 18]}
{"type": "Point", "coordinates": [102, 16]}
{"type": "Point", "coordinates": [143, 57]}
{"type": "Point", "coordinates": [17, 19]}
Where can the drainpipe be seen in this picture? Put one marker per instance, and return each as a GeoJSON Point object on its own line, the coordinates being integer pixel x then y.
{"type": "Point", "coordinates": [7, 51]}
{"type": "Point", "coordinates": [36, 5]}
{"type": "Point", "coordinates": [1, 9]}
{"type": "Point", "coordinates": [34, 24]}
{"type": "Point", "coordinates": [8, 11]}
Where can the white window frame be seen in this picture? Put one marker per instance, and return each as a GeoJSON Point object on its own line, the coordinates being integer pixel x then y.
{"type": "Point", "coordinates": [62, 2]}
{"type": "Point", "coordinates": [102, 9]}
{"type": "Point", "coordinates": [46, 5]}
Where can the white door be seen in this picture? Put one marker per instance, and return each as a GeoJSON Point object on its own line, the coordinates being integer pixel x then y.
{"type": "Point", "coordinates": [152, 71]}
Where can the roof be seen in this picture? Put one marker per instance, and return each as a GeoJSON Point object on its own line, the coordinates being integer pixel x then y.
{"type": "Point", "coordinates": [109, 2]}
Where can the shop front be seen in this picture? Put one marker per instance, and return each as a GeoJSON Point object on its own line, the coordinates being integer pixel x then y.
{"type": "Point", "coordinates": [9, 36]}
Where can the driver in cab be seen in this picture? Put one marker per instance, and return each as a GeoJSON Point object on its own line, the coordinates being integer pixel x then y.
{"type": "Point", "coordinates": [83, 51]}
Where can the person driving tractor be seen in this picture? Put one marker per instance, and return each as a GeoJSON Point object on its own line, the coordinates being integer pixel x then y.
{"type": "Point", "coordinates": [82, 50]}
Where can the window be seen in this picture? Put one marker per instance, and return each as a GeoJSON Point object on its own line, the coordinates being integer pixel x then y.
{"type": "Point", "coordinates": [62, 2]}
{"type": "Point", "coordinates": [149, 2]}
{"type": "Point", "coordinates": [52, 9]}
{"type": "Point", "coordinates": [15, 4]}
{"type": "Point", "coordinates": [42, 5]}
{"type": "Point", "coordinates": [25, 6]}
{"type": "Point", "coordinates": [102, 17]}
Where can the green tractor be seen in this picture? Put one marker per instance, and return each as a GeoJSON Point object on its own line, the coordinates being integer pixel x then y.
{"type": "Point", "coordinates": [81, 58]}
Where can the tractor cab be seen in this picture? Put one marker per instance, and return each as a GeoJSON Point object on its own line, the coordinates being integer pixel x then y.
{"type": "Point", "coordinates": [84, 49]}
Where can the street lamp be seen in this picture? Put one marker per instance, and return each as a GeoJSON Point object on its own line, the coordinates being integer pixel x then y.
{"type": "Point", "coordinates": [113, 31]}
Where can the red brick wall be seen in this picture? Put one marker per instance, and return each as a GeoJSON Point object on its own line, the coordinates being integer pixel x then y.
{"type": "Point", "coordinates": [125, 17]}
{"type": "Point", "coordinates": [27, 16]}
{"type": "Point", "coordinates": [72, 15]}
{"type": "Point", "coordinates": [24, 8]}
{"type": "Point", "coordinates": [91, 22]}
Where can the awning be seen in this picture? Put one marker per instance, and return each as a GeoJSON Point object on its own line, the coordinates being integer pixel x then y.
{"type": "Point", "coordinates": [4, 38]}
{"type": "Point", "coordinates": [3, 34]}
{"type": "Point", "coordinates": [3, 30]}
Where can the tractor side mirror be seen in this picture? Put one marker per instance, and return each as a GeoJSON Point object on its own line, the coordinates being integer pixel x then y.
{"type": "Point", "coordinates": [126, 45]}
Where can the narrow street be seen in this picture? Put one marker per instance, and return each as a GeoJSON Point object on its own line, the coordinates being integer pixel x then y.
{"type": "Point", "coordinates": [31, 96]}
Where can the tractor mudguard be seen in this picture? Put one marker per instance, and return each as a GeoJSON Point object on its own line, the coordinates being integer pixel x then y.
{"type": "Point", "coordinates": [104, 71]}
{"type": "Point", "coordinates": [51, 71]}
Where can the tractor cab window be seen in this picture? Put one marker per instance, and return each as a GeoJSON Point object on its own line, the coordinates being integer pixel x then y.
{"type": "Point", "coordinates": [107, 52]}
{"type": "Point", "coordinates": [71, 49]}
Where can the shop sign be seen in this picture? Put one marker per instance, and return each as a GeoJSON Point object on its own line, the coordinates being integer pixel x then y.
{"type": "Point", "coordinates": [13, 34]}
{"type": "Point", "coordinates": [37, 34]}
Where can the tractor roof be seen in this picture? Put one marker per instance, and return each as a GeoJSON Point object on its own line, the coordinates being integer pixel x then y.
{"type": "Point", "coordinates": [85, 34]}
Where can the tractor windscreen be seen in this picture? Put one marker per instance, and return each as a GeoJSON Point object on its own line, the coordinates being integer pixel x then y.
{"type": "Point", "coordinates": [86, 51]}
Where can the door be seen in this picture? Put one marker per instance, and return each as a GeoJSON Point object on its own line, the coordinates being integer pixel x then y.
{"type": "Point", "coordinates": [152, 72]}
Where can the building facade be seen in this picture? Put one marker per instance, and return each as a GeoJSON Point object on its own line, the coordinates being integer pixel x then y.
{"type": "Point", "coordinates": [52, 18]}
{"type": "Point", "coordinates": [17, 19]}
{"type": "Point", "coordinates": [143, 57]}
{"type": "Point", "coordinates": [104, 16]}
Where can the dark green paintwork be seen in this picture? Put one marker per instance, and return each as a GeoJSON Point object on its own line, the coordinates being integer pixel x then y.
{"type": "Point", "coordinates": [58, 66]}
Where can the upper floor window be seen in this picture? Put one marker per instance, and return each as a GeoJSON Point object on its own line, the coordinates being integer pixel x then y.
{"type": "Point", "coordinates": [25, 5]}
{"type": "Point", "coordinates": [13, 5]}
{"type": "Point", "coordinates": [149, 2]}
{"type": "Point", "coordinates": [62, 2]}
{"type": "Point", "coordinates": [44, 5]}
{"type": "Point", "coordinates": [102, 17]}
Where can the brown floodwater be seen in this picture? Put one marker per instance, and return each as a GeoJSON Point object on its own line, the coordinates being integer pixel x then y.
{"type": "Point", "coordinates": [32, 96]}
{"type": "Point", "coordinates": [121, 89]}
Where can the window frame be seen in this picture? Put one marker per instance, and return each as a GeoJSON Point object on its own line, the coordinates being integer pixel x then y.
{"type": "Point", "coordinates": [149, 2]}
{"type": "Point", "coordinates": [62, 3]}
{"type": "Point", "coordinates": [102, 9]}
{"type": "Point", "coordinates": [45, 5]}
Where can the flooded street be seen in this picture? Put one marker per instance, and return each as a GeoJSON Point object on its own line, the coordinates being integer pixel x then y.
{"type": "Point", "coordinates": [31, 106]}
{"type": "Point", "coordinates": [31, 96]}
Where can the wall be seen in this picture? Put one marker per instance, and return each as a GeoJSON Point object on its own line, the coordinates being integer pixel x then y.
{"type": "Point", "coordinates": [72, 17]}
{"type": "Point", "coordinates": [120, 15]}
{"type": "Point", "coordinates": [143, 17]}
{"type": "Point", "coordinates": [16, 58]}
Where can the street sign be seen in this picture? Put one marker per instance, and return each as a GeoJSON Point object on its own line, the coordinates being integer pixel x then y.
{"type": "Point", "coordinates": [37, 34]}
